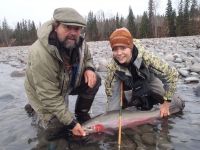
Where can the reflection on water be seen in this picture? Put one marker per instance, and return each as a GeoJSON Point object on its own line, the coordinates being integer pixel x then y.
{"type": "Point", "coordinates": [180, 131]}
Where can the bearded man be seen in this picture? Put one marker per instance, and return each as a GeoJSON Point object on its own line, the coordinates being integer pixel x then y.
{"type": "Point", "coordinates": [60, 64]}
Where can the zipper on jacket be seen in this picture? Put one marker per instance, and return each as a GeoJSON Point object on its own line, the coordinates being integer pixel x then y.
{"type": "Point", "coordinates": [63, 81]}
{"type": "Point", "coordinates": [140, 74]}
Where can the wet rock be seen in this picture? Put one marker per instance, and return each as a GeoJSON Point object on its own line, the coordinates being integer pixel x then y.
{"type": "Point", "coordinates": [147, 128]}
{"type": "Point", "coordinates": [101, 68]}
{"type": "Point", "coordinates": [176, 55]}
{"type": "Point", "coordinates": [165, 146]}
{"type": "Point", "coordinates": [128, 141]}
{"type": "Point", "coordinates": [183, 72]}
{"type": "Point", "coordinates": [138, 141]}
{"type": "Point", "coordinates": [191, 80]}
{"type": "Point", "coordinates": [149, 138]}
{"type": "Point", "coordinates": [178, 60]}
{"type": "Point", "coordinates": [195, 67]}
{"type": "Point", "coordinates": [197, 90]}
{"type": "Point", "coordinates": [102, 65]}
{"type": "Point", "coordinates": [18, 74]}
{"type": "Point", "coordinates": [194, 74]}
{"type": "Point", "coordinates": [198, 46]}
{"type": "Point", "coordinates": [169, 57]}
{"type": "Point", "coordinates": [6, 97]}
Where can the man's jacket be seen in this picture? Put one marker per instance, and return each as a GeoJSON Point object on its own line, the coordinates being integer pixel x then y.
{"type": "Point", "coordinates": [47, 81]}
{"type": "Point", "coordinates": [161, 69]}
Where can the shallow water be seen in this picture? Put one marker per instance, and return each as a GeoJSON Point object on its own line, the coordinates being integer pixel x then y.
{"type": "Point", "coordinates": [180, 131]}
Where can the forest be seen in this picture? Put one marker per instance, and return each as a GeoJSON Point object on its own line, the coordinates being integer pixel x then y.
{"type": "Point", "coordinates": [183, 21]}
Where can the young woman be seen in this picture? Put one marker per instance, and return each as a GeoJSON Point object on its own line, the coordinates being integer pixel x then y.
{"type": "Point", "coordinates": [147, 80]}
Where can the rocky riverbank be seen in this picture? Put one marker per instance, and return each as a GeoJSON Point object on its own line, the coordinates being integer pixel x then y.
{"type": "Point", "coordinates": [181, 52]}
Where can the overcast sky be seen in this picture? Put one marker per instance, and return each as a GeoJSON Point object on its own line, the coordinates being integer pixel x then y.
{"type": "Point", "coordinates": [42, 10]}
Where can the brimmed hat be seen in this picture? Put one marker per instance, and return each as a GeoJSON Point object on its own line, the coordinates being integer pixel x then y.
{"type": "Point", "coordinates": [69, 16]}
{"type": "Point", "coordinates": [121, 37]}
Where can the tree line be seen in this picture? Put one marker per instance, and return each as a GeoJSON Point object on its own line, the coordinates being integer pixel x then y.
{"type": "Point", "coordinates": [182, 22]}
{"type": "Point", "coordinates": [23, 34]}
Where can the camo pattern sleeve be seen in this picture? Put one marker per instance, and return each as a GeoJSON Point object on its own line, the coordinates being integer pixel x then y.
{"type": "Point", "coordinates": [111, 67]}
{"type": "Point", "coordinates": [161, 69]}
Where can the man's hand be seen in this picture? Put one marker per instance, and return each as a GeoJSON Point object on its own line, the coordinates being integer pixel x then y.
{"type": "Point", "coordinates": [90, 78]}
{"type": "Point", "coordinates": [78, 130]}
{"type": "Point", "coordinates": [164, 109]}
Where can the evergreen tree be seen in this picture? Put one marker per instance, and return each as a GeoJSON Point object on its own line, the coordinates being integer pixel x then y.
{"type": "Point", "coordinates": [89, 26]}
{"type": "Point", "coordinates": [131, 22]}
{"type": "Point", "coordinates": [170, 17]}
{"type": "Point", "coordinates": [6, 33]}
{"type": "Point", "coordinates": [95, 36]}
{"type": "Point", "coordinates": [186, 18]}
{"type": "Point", "coordinates": [144, 26]}
{"type": "Point", "coordinates": [121, 22]}
{"type": "Point", "coordinates": [18, 34]}
{"type": "Point", "coordinates": [117, 21]}
{"type": "Point", "coordinates": [25, 33]}
{"type": "Point", "coordinates": [1, 39]}
{"type": "Point", "coordinates": [92, 30]}
{"type": "Point", "coordinates": [106, 29]}
{"type": "Point", "coordinates": [193, 26]}
{"type": "Point", "coordinates": [32, 32]}
{"type": "Point", "coordinates": [179, 20]}
{"type": "Point", "coordinates": [151, 18]}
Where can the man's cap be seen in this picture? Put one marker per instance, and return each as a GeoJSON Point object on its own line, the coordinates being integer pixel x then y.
{"type": "Point", "coordinates": [121, 37]}
{"type": "Point", "coordinates": [69, 16]}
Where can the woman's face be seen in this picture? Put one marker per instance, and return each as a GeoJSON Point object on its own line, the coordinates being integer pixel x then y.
{"type": "Point", "coordinates": [122, 54]}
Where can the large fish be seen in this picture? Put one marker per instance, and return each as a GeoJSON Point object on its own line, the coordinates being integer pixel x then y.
{"type": "Point", "coordinates": [110, 119]}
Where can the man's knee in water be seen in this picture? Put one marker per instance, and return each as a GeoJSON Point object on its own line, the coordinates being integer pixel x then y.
{"type": "Point", "coordinates": [29, 110]}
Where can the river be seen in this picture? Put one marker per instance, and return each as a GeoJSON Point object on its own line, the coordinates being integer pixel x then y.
{"type": "Point", "coordinates": [179, 132]}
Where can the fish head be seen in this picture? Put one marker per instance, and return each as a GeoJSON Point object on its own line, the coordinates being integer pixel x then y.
{"type": "Point", "coordinates": [95, 128]}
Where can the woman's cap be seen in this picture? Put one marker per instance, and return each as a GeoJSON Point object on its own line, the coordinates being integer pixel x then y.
{"type": "Point", "coordinates": [121, 37]}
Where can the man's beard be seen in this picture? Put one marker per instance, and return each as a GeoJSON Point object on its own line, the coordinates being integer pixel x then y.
{"type": "Point", "coordinates": [70, 43]}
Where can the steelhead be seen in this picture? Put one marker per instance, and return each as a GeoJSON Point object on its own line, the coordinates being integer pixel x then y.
{"type": "Point", "coordinates": [110, 119]}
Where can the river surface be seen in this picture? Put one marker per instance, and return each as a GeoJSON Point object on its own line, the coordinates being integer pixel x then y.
{"type": "Point", "coordinates": [179, 132]}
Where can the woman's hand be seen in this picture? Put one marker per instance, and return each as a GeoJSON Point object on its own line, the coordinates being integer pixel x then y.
{"type": "Point", "coordinates": [164, 109]}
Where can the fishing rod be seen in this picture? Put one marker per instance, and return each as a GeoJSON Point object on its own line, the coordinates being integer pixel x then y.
{"type": "Point", "coordinates": [120, 118]}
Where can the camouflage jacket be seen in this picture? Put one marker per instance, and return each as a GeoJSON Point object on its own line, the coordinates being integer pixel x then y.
{"type": "Point", "coordinates": [161, 69]}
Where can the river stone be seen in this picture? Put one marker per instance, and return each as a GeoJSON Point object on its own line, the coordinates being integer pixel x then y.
{"type": "Point", "coordinates": [195, 67]}
{"type": "Point", "coordinates": [146, 128]}
{"type": "Point", "coordinates": [178, 60]}
{"type": "Point", "coordinates": [197, 90]}
{"type": "Point", "coordinates": [101, 68]}
{"type": "Point", "coordinates": [149, 138]}
{"type": "Point", "coordinates": [165, 146]}
{"type": "Point", "coordinates": [169, 57]}
{"type": "Point", "coordinates": [194, 74]}
{"type": "Point", "coordinates": [191, 80]}
{"type": "Point", "coordinates": [198, 46]}
{"type": "Point", "coordinates": [18, 73]}
{"type": "Point", "coordinates": [6, 97]}
{"type": "Point", "coordinates": [183, 72]}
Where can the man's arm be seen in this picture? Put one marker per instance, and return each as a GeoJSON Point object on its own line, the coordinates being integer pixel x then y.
{"type": "Point", "coordinates": [47, 86]}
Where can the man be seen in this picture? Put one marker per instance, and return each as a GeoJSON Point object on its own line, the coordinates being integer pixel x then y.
{"type": "Point", "coordinates": [60, 64]}
{"type": "Point", "coordinates": [147, 80]}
